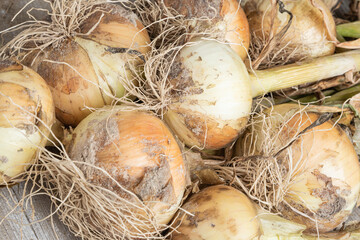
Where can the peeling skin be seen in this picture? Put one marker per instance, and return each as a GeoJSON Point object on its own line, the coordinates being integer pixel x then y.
{"type": "Point", "coordinates": [197, 129]}
{"type": "Point", "coordinates": [151, 170]}
{"type": "Point", "coordinates": [330, 211]}
{"type": "Point", "coordinates": [130, 32]}
{"type": "Point", "coordinates": [10, 113]}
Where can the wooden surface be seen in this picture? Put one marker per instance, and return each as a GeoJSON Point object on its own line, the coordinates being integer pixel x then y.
{"type": "Point", "coordinates": [22, 223]}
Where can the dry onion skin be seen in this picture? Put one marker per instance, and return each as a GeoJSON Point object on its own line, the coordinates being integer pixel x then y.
{"type": "Point", "coordinates": [144, 166]}
{"type": "Point", "coordinates": [321, 162]}
{"type": "Point", "coordinates": [95, 52]}
{"type": "Point", "coordinates": [218, 212]}
{"type": "Point", "coordinates": [225, 17]}
{"type": "Point", "coordinates": [26, 116]}
{"type": "Point", "coordinates": [307, 37]}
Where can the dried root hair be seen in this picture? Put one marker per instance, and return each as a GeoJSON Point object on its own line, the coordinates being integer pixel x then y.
{"type": "Point", "coordinates": [266, 169]}
{"type": "Point", "coordinates": [89, 210]}
{"type": "Point", "coordinates": [169, 32]}
{"type": "Point", "coordinates": [63, 21]}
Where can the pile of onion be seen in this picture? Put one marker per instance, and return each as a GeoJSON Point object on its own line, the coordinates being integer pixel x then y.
{"type": "Point", "coordinates": [127, 171]}
{"type": "Point", "coordinates": [319, 158]}
{"type": "Point", "coordinates": [310, 34]}
{"type": "Point", "coordinates": [26, 116]}
{"type": "Point", "coordinates": [217, 212]}
{"type": "Point", "coordinates": [90, 55]}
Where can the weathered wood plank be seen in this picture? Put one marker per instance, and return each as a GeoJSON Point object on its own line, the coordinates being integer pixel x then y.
{"type": "Point", "coordinates": [9, 8]}
{"type": "Point", "coordinates": [28, 223]}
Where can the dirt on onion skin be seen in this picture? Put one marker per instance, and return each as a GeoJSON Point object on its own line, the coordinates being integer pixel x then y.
{"type": "Point", "coordinates": [3, 159]}
{"type": "Point", "coordinates": [154, 185]}
{"type": "Point", "coordinates": [330, 211]}
{"type": "Point", "coordinates": [197, 9]}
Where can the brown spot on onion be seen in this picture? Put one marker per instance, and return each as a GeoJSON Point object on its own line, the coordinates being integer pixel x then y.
{"type": "Point", "coordinates": [138, 151]}
{"type": "Point", "coordinates": [228, 215]}
{"type": "Point", "coordinates": [4, 159]}
{"type": "Point", "coordinates": [202, 130]}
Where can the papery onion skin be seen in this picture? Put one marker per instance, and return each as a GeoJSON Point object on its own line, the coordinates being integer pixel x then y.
{"type": "Point", "coordinates": [87, 71]}
{"type": "Point", "coordinates": [326, 180]}
{"type": "Point", "coordinates": [26, 116]}
{"type": "Point", "coordinates": [138, 151]}
{"type": "Point", "coordinates": [224, 15]}
{"type": "Point", "coordinates": [307, 36]}
{"type": "Point", "coordinates": [213, 101]}
{"type": "Point", "coordinates": [217, 212]}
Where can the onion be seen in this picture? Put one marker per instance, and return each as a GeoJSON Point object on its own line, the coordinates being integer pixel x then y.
{"type": "Point", "coordinates": [141, 157]}
{"type": "Point", "coordinates": [213, 90]}
{"type": "Point", "coordinates": [26, 116]}
{"type": "Point", "coordinates": [88, 67]}
{"type": "Point", "coordinates": [224, 17]}
{"type": "Point", "coordinates": [309, 35]}
{"type": "Point", "coordinates": [218, 212]}
{"type": "Point", "coordinates": [321, 162]}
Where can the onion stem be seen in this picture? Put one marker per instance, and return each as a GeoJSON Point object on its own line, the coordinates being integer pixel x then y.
{"type": "Point", "coordinates": [264, 81]}
{"type": "Point", "coordinates": [343, 95]}
{"type": "Point", "coordinates": [349, 29]}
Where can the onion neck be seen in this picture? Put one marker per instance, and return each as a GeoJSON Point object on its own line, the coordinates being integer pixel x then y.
{"type": "Point", "coordinates": [264, 81]}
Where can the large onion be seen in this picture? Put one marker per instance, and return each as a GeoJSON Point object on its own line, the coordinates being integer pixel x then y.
{"type": "Point", "coordinates": [322, 163]}
{"type": "Point", "coordinates": [26, 116]}
{"type": "Point", "coordinates": [225, 17]}
{"type": "Point", "coordinates": [308, 35]}
{"type": "Point", "coordinates": [138, 151]}
{"type": "Point", "coordinates": [213, 90]}
{"type": "Point", "coordinates": [88, 69]}
{"type": "Point", "coordinates": [218, 212]}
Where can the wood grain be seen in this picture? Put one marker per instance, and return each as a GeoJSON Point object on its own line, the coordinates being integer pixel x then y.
{"type": "Point", "coordinates": [27, 223]}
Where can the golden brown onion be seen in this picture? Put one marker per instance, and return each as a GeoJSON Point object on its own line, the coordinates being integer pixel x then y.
{"type": "Point", "coordinates": [323, 163]}
{"type": "Point", "coordinates": [26, 116]}
{"type": "Point", "coordinates": [89, 69]}
{"type": "Point", "coordinates": [217, 212]}
{"type": "Point", "coordinates": [307, 36]}
{"type": "Point", "coordinates": [225, 16]}
{"type": "Point", "coordinates": [139, 152]}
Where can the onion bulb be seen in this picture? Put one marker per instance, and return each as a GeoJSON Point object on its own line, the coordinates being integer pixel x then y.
{"type": "Point", "coordinates": [217, 212]}
{"type": "Point", "coordinates": [320, 158]}
{"type": "Point", "coordinates": [213, 90]}
{"type": "Point", "coordinates": [89, 69]}
{"type": "Point", "coordinates": [26, 116]}
{"type": "Point", "coordinates": [140, 155]}
{"type": "Point", "coordinates": [225, 17]}
{"type": "Point", "coordinates": [307, 37]}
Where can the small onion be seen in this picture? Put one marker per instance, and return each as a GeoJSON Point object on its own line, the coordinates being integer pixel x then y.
{"type": "Point", "coordinates": [225, 17]}
{"type": "Point", "coordinates": [322, 160]}
{"type": "Point", "coordinates": [139, 152]}
{"type": "Point", "coordinates": [217, 212]}
{"type": "Point", "coordinates": [89, 70]}
{"type": "Point", "coordinates": [26, 116]}
{"type": "Point", "coordinates": [307, 36]}
{"type": "Point", "coordinates": [213, 90]}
